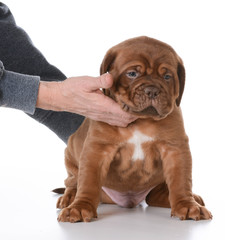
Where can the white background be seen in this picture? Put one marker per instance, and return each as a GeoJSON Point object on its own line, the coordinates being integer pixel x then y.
{"type": "Point", "coordinates": [74, 36]}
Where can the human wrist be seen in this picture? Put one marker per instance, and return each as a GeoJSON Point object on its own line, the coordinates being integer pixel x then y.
{"type": "Point", "coordinates": [48, 96]}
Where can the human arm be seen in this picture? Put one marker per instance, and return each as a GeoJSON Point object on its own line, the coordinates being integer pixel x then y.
{"type": "Point", "coordinates": [82, 95]}
{"type": "Point", "coordinates": [18, 91]}
{"type": "Point", "coordinates": [79, 95]}
{"type": "Point", "coordinates": [19, 55]}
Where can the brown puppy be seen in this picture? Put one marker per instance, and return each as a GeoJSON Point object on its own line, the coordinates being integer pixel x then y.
{"type": "Point", "coordinates": [150, 159]}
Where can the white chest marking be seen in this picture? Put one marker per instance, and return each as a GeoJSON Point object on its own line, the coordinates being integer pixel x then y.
{"type": "Point", "coordinates": [137, 139]}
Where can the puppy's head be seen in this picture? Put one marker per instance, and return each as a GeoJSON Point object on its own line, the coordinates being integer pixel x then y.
{"type": "Point", "coordinates": [148, 77]}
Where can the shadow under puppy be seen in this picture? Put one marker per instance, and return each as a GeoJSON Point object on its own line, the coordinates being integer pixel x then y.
{"type": "Point", "coordinates": [150, 159]}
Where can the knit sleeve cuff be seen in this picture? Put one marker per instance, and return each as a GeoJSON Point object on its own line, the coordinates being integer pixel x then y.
{"type": "Point", "coordinates": [19, 91]}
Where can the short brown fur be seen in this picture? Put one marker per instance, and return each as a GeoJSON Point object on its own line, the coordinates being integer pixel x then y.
{"type": "Point", "coordinates": [149, 80]}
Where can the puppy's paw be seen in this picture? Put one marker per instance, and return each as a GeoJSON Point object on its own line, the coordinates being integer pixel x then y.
{"type": "Point", "coordinates": [80, 212]}
{"type": "Point", "coordinates": [66, 199]}
{"type": "Point", "coordinates": [190, 210]}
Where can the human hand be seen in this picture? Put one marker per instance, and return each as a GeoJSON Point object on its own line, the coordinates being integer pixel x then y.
{"type": "Point", "coordinates": [82, 95]}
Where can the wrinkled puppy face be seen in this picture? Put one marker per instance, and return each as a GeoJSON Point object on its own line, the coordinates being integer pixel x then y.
{"type": "Point", "coordinates": [148, 77]}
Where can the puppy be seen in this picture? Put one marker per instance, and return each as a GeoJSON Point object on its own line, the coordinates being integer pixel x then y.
{"type": "Point", "coordinates": [150, 159]}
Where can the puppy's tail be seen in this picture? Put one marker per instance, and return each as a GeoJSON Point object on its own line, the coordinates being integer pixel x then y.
{"type": "Point", "coordinates": [59, 190]}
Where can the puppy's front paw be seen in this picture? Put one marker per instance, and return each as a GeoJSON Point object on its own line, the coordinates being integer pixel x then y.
{"type": "Point", "coordinates": [77, 212]}
{"type": "Point", "coordinates": [190, 210]}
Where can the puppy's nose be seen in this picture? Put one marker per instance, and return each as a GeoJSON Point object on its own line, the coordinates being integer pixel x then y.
{"type": "Point", "coordinates": [152, 91]}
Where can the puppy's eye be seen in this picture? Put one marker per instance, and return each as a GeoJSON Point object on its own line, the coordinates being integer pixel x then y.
{"type": "Point", "coordinates": [132, 74]}
{"type": "Point", "coordinates": [167, 77]}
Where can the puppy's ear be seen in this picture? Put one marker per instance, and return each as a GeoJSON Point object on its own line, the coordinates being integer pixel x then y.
{"type": "Point", "coordinates": [106, 66]}
{"type": "Point", "coordinates": [107, 62]}
{"type": "Point", "coordinates": [181, 76]}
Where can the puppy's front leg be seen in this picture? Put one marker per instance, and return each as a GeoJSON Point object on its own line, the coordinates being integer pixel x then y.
{"type": "Point", "coordinates": [177, 164]}
{"type": "Point", "coordinates": [93, 167]}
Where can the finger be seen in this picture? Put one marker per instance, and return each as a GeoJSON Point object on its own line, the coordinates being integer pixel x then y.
{"type": "Point", "coordinates": [111, 119]}
{"type": "Point", "coordinates": [103, 81]}
{"type": "Point", "coordinates": [115, 109]}
{"type": "Point", "coordinates": [120, 122]}
{"type": "Point", "coordinates": [116, 112]}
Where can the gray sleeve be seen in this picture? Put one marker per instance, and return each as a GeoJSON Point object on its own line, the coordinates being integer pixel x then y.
{"type": "Point", "coordinates": [18, 91]}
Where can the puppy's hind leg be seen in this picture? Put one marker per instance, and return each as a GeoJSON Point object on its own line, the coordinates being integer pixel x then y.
{"type": "Point", "coordinates": [159, 196]}
{"type": "Point", "coordinates": [68, 196]}
{"type": "Point", "coordinates": [70, 183]}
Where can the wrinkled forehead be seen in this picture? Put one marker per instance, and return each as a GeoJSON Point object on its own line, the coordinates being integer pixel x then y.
{"type": "Point", "coordinates": [145, 55]}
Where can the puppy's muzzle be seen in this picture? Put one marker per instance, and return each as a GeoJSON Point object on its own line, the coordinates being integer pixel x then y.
{"type": "Point", "coordinates": [152, 92]}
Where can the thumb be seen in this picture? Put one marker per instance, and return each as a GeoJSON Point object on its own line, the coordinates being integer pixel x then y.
{"type": "Point", "coordinates": [103, 81]}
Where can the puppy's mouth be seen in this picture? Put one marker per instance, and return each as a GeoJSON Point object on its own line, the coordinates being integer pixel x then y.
{"type": "Point", "coordinates": [148, 111]}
